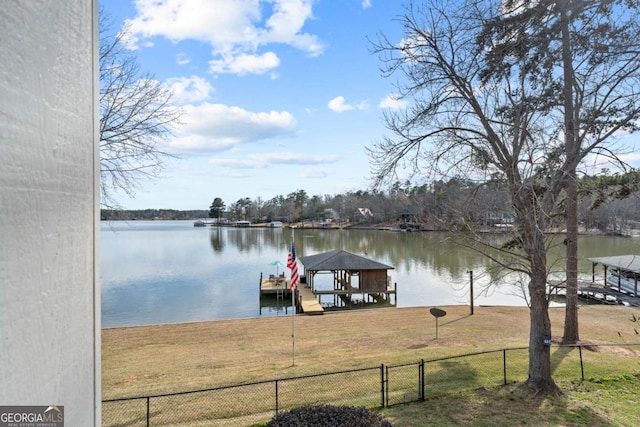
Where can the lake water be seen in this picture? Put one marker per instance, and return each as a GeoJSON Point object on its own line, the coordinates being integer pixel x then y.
{"type": "Point", "coordinates": [155, 272]}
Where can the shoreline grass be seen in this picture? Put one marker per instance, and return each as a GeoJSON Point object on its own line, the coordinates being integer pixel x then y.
{"type": "Point", "coordinates": [147, 360]}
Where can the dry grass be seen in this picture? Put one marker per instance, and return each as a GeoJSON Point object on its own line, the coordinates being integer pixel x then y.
{"type": "Point", "coordinates": [169, 358]}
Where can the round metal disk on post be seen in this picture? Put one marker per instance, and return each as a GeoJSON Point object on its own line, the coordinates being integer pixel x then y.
{"type": "Point", "coordinates": [437, 313]}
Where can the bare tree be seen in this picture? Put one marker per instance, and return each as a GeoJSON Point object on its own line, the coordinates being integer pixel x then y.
{"type": "Point", "coordinates": [460, 120]}
{"type": "Point", "coordinates": [488, 100]}
{"type": "Point", "coordinates": [592, 49]}
{"type": "Point", "coordinates": [136, 114]}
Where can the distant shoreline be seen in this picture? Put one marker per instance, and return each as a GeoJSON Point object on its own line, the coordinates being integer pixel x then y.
{"type": "Point", "coordinates": [383, 226]}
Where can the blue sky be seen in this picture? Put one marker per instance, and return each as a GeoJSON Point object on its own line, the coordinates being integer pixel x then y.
{"type": "Point", "coordinates": [278, 95]}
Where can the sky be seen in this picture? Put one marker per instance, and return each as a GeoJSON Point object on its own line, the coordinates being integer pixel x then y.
{"type": "Point", "coordinates": [277, 95]}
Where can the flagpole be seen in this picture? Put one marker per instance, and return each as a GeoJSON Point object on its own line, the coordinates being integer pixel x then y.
{"type": "Point", "coordinates": [292, 263]}
{"type": "Point", "coordinates": [293, 327]}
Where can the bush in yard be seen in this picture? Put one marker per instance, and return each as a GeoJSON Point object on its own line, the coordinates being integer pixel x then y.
{"type": "Point", "coordinates": [328, 416]}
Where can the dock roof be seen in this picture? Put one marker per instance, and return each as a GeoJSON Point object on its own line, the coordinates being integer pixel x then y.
{"type": "Point", "coordinates": [623, 262]}
{"type": "Point", "coordinates": [340, 260]}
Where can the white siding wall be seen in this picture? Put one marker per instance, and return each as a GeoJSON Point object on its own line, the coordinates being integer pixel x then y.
{"type": "Point", "coordinates": [49, 297]}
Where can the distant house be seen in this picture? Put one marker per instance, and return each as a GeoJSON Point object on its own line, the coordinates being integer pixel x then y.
{"type": "Point", "coordinates": [363, 215]}
{"type": "Point", "coordinates": [411, 213]}
{"type": "Point", "coordinates": [330, 213]}
{"type": "Point", "coordinates": [500, 219]}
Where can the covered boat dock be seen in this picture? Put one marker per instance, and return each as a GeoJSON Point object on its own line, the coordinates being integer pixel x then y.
{"type": "Point", "coordinates": [619, 284]}
{"type": "Point", "coordinates": [352, 275]}
{"type": "Point", "coordinates": [620, 272]}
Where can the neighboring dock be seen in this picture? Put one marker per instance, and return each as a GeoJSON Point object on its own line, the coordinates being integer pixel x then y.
{"type": "Point", "coordinates": [603, 294]}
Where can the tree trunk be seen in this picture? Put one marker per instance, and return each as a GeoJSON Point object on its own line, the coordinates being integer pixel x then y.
{"type": "Point", "coordinates": [539, 353]}
{"type": "Point", "coordinates": [572, 152]}
{"type": "Point", "coordinates": [528, 212]}
{"type": "Point", "coordinates": [571, 333]}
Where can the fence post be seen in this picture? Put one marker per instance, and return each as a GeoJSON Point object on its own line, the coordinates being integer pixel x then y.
{"type": "Point", "coordinates": [276, 396]}
{"type": "Point", "coordinates": [148, 412]}
{"type": "Point", "coordinates": [504, 365]}
{"type": "Point", "coordinates": [421, 379]}
{"type": "Point", "coordinates": [382, 384]}
{"type": "Point", "coordinates": [581, 364]}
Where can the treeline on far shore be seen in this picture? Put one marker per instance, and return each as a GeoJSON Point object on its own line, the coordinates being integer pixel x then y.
{"type": "Point", "coordinates": [151, 214]}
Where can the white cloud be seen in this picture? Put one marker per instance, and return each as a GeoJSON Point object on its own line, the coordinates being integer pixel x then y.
{"type": "Point", "coordinates": [594, 163]}
{"type": "Point", "coordinates": [189, 89]}
{"type": "Point", "coordinates": [218, 127]}
{"type": "Point", "coordinates": [212, 144]}
{"type": "Point", "coordinates": [315, 173]}
{"type": "Point", "coordinates": [339, 105]}
{"type": "Point", "coordinates": [218, 22]}
{"type": "Point", "coordinates": [630, 158]}
{"type": "Point", "coordinates": [233, 29]}
{"type": "Point", "coordinates": [263, 160]}
{"type": "Point", "coordinates": [237, 164]}
{"type": "Point", "coordinates": [182, 58]}
{"type": "Point", "coordinates": [362, 105]}
{"type": "Point", "coordinates": [366, 4]}
{"type": "Point", "coordinates": [294, 158]}
{"type": "Point", "coordinates": [245, 64]}
{"type": "Point", "coordinates": [285, 24]}
{"type": "Point", "coordinates": [392, 102]}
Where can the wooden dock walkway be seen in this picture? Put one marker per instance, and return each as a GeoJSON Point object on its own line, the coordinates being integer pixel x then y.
{"type": "Point", "coordinates": [308, 302]}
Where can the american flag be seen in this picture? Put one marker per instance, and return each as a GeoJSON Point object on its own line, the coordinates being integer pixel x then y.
{"type": "Point", "coordinates": [292, 264]}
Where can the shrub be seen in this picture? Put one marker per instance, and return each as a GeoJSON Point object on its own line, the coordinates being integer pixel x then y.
{"type": "Point", "coordinates": [328, 416]}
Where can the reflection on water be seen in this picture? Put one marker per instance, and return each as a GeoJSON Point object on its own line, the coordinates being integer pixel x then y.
{"type": "Point", "coordinates": [169, 271]}
{"type": "Point", "coordinates": [271, 305]}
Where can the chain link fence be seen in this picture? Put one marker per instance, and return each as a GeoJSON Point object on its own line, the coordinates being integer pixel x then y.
{"type": "Point", "coordinates": [375, 387]}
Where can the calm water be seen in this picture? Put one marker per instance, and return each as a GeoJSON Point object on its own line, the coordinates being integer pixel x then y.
{"type": "Point", "coordinates": [169, 271]}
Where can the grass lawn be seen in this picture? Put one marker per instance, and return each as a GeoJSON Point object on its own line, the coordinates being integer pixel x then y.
{"type": "Point", "coordinates": [161, 359]}
{"type": "Point", "coordinates": [593, 402]}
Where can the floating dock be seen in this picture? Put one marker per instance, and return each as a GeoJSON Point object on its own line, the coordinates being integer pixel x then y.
{"type": "Point", "coordinates": [281, 288]}
{"type": "Point", "coordinates": [275, 285]}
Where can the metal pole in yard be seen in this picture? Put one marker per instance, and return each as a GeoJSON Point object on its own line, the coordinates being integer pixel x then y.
{"type": "Point", "coordinates": [292, 263]}
{"type": "Point", "coordinates": [293, 327]}
{"type": "Point", "coordinates": [471, 290]}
